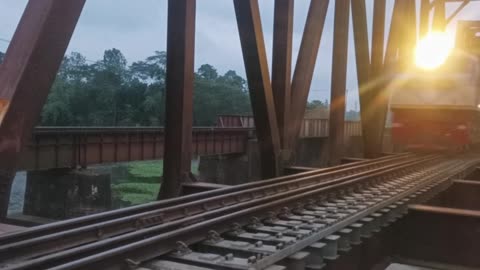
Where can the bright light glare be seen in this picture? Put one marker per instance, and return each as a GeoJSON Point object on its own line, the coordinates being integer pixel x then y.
{"type": "Point", "coordinates": [433, 50]}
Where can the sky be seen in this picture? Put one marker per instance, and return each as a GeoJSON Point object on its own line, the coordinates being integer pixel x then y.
{"type": "Point", "coordinates": [138, 28]}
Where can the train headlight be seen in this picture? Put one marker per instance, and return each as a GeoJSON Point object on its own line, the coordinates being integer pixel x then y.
{"type": "Point", "coordinates": [433, 50]}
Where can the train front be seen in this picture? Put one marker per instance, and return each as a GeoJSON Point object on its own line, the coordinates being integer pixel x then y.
{"type": "Point", "coordinates": [435, 104]}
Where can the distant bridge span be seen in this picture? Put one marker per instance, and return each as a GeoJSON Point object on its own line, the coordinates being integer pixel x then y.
{"type": "Point", "coordinates": [69, 147]}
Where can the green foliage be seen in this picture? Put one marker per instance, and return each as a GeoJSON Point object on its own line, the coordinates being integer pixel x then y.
{"type": "Point", "coordinates": [142, 184]}
{"type": "Point", "coordinates": [146, 169]}
{"type": "Point", "coordinates": [317, 104]}
{"type": "Point", "coordinates": [136, 193]}
{"type": "Point", "coordinates": [111, 93]}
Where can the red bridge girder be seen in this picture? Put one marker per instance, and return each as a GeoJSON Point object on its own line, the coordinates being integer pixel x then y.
{"type": "Point", "coordinates": [69, 147]}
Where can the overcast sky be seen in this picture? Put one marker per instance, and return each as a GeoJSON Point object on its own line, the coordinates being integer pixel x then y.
{"type": "Point", "coordinates": [138, 28]}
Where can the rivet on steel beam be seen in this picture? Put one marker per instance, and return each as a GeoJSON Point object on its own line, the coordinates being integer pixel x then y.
{"type": "Point", "coordinates": [331, 249]}
{"type": "Point", "coordinates": [344, 242]}
{"type": "Point", "coordinates": [315, 259]}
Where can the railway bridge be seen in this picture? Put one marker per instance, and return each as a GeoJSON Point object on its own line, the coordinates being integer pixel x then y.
{"type": "Point", "coordinates": [382, 211]}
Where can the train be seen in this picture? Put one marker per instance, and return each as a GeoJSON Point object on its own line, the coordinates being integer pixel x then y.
{"type": "Point", "coordinates": [437, 110]}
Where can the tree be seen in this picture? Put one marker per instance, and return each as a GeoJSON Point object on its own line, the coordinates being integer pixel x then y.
{"type": "Point", "coordinates": [207, 72]}
{"type": "Point", "coordinates": [224, 95]}
{"type": "Point", "coordinates": [317, 104]}
{"type": "Point", "coordinates": [231, 78]}
{"type": "Point", "coordinates": [152, 69]}
{"type": "Point", "coordinates": [110, 92]}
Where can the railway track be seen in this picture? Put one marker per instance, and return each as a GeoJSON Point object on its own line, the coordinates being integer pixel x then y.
{"type": "Point", "coordinates": [247, 228]}
{"type": "Point", "coordinates": [96, 219]}
{"type": "Point", "coordinates": [63, 235]}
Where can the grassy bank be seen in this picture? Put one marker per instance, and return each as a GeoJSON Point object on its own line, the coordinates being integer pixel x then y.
{"type": "Point", "coordinates": [141, 183]}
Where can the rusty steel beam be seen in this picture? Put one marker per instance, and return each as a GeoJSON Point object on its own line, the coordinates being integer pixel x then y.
{"type": "Point", "coordinates": [26, 76]}
{"type": "Point", "coordinates": [339, 81]}
{"type": "Point", "coordinates": [378, 37]}
{"type": "Point", "coordinates": [409, 31]}
{"type": "Point", "coordinates": [362, 54]}
{"type": "Point", "coordinates": [395, 32]}
{"type": "Point", "coordinates": [305, 66]}
{"type": "Point", "coordinates": [441, 235]}
{"type": "Point", "coordinates": [425, 8]}
{"type": "Point", "coordinates": [282, 65]}
{"type": "Point", "coordinates": [256, 67]}
{"type": "Point", "coordinates": [179, 96]}
{"type": "Point", "coordinates": [71, 147]}
{"type": "Point", "coordinates": [457, 11]}
{"type": "Point", "coordinates": [374, 113]}
{"type": "Point", "coordinates": [439, 15]}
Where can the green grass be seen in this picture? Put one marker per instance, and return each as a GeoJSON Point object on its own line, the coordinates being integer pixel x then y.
{"type": "Point", "coordinates": [142, 185]}
{"type": "Point", "coordinates": [136, 193]}
{"type": "Point", "coordinates": [152, 168]}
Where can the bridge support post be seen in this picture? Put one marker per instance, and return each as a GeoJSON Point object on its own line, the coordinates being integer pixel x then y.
{"type": "Point", "coordinates": [59, 194]}
{"type": "Point", "coordinates": [179, 96]}
{"type": "Point", "coordinates": [439, 15]}
{"type": "Point", "coordinates": [305, 66]}
{"type": "Point", "coordinates": [282, 65]}
{"type": "Point", "coordinates": [261, 95]}
{"type": "Point", "coordinates": [26, 75]}
{"type": "Point", "coordinates": [339, 80]}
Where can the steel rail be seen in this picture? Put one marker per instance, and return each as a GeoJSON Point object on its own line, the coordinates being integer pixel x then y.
{"type": "Point", "coordinates": [95, 219]}
{"type": "Point", "coordinates": [62, 240]}
{"type": "Point", "coordinates": [191, 234]}
{"type": "Point", "coordinates": [138, 252]}
{"type": "Point", "coordinates": [95, 232]}
{"type": "Point", "coordinates": [126, 239]}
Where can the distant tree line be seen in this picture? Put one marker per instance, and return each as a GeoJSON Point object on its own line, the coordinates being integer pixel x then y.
{"type": "Point", "coordinates": [109, 92]}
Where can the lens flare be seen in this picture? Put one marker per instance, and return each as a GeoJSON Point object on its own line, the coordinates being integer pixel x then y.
{"type": "Point", "coordinates": [433, 50]}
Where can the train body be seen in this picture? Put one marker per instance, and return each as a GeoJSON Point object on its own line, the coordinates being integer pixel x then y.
{"type": "Point", "coordinates": [440, 109]}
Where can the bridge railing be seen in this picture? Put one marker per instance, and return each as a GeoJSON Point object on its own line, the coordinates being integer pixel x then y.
{"type": "Point", "coordinates": [68, 147]}
{"type": "Point", "coordinates": [227, 120]}
{"type": "Point", "coordinates": [310, 127]}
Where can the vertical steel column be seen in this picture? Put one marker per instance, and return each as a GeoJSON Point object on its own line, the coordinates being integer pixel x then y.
{"type": "Point", "coordinates": [395, 39]}
{"type": "Point", "coordinates": [439, 15]}
{"type": "Point", "coordinates": [339, 80]}
{"type": "Point", "coordinates": [362, 54]}
{"type": "Point", "coordinates": [305, 66]}
{"type": "Point", "coordinates": [282, 65]}
{"type": "Point", "coordinates": [256, 66]}
{"type": "Point", "coordinates": [425, 8]}
{"type": "Point", "coordinates": [378, 37]}
{"type": "Point", "coordinates": [378, 103]}
{"type": "Point", "coordinates": [26, 76]}
{"type": "Point", "coordinates": [409, 31]}
{"type": "Point", "coordinates": [179, 96]}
